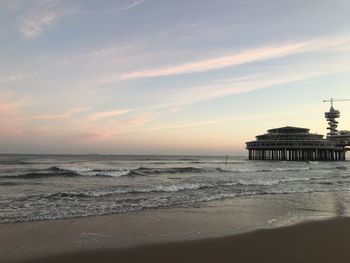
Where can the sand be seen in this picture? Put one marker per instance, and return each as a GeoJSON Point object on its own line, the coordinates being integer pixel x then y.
{"type": "Point", "coordinates": [325, 241]}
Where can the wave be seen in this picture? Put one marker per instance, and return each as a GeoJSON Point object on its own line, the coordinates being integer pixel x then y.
{"type": "Point", "coordinates": [8, 183]}
{"type": "Point", "coordinates": [56, 171]}
{"type": "Point", "coordinates": [87, 171]}
{"type": "Point", "coordinates": [14, 162]}
{"type": "Point", "coordinates": [51, 172]}
{"type": "Point", "coordinates": [142, 171]}
{"type": "Point", "coordinates": [170, 170]}
{"type": "Point", "coordinates": [129, 205]}
{"type": "Point", "coordinates": [264, 170]}
{"type": "Point", "coordinates": [180, 188]}
{"type": "Point", "coordinates": [341, 168]}
{"type": "Point", "coordinates": [130, 190]}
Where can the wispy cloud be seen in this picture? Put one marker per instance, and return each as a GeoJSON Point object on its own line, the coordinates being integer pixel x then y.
{"type": "Point", "coordinates": [66, 114]}
{"type": "Point", "coordinates": [35, 25]}
{"type": "Point", "coordinates": [110, 129]}
{"type": "Point", "coordinates": [45, 17]}
{"type": "Point", "coordinates": [51, 116]}
{"type": "Point", "coordinates": [216, 121]}
{"type": "Point", "coordinates": [243, 57]}
{"type": "Point", "coordinates": [246, 77]}
{"type": "Point", "coordinates": [78, 109]}
{"type": "Point", "coordinates": [87, 137]}
{"type": "Point", "coordinates": [106, 114]}
{"type": "Point", "coordinates": [133, 4]}
{"type": "Point", "coordinates": [220, 62]}
{"type": "Point", "coordinates": [198, 94]}
{"type": "Point", "coordinates": [16, 77]}
{"type": "Point", "coordinates": [267, 77]}
{"type": "Point", "coordinates": [136, 120]}
{"type": "Point", "coordinates": [11, 114]}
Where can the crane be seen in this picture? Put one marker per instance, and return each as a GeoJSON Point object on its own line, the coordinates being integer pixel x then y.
{"type": "Point", "coordinates": [331, 100]}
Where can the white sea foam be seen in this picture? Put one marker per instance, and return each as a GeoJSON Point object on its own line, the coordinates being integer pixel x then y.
{"type": "Point", "coordinates": [71, 186]}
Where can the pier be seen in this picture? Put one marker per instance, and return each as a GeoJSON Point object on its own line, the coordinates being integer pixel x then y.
{"type": "Point", "coordinates": [293, 144]}
{"type": "Point", "coordinates": [298, 144]}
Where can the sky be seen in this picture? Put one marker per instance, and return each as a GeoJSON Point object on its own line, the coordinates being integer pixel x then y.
{"type": "Point", "coordinates": [165, 76]}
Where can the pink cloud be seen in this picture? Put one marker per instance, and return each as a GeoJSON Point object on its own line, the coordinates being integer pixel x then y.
{"type": "Point", "coordinates": [11, 116]}
{"type": "Point", "coordinates": [66, 114]}
{"type": "Point", "coordinates": [220, 62]}
{"type": "Point", "coordinates": [108, 131]}
{"type": "Point", "coordinates": [243, 57]}
{"type": "Point", "coordinates": [87, 137]}
{"type": "Point", "coordinates": [106, 114]}
{"type": "Point", "coordinates": [52, 116]}
{"type": "Point", "coordinates": [135, 121]}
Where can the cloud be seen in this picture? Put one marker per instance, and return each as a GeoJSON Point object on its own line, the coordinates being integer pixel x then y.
{"type": "Point", "coordinates": [219, 62]}
{"type": "Point", "coordinates": [35, 25]}
{"type": "Point", "coordinates": [66, 114]}
{"type": "Point", "coordinates": [243, 57]}
{"type": "Point", "coordinates": [44, 17]}
{"type": "Point", "coordinates": [16, 77]}
{"type": "Point", "coordinates": [106, 114]}
{"type": "Point", "coordinates": [247, 77]}
{"type": "Point", "coordinates": [216, 121]}
{"type": "Point", "coordinates": [11, 114]}
{"type": "Point", "coordinates": [80, 109]}
{"type": "Point", "coordinates": [108, 130]}
{"type": "Point", "coordinates": [86, 137]}
{"type": "Point", "coordinates": [272, 77]}
{"type": "Point", "coordinates": [267, 77]}
{"type": "Point", "coordinates": [137, 120]}
{"type": "Point", "coordinates": [51, 116]}
{"type": "Point", "coordinates": [130, 6]}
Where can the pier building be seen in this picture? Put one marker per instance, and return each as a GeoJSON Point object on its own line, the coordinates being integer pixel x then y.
{"type": "Point", "coordinates": [298, 144]}
{"type": "Point", "coordinates": [293, 144]}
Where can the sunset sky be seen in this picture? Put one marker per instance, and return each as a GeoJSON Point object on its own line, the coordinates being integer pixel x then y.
{"type": "Point", "coordinates": [166, 76]}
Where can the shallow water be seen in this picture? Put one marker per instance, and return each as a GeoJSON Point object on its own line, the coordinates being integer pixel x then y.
{"type": "Point", "coordinates": [37, 187]}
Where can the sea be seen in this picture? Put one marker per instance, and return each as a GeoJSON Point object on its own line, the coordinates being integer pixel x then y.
{"type": "Point", "coordinates": [47, 187]}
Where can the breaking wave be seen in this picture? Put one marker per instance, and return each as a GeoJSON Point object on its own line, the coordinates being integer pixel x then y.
{"type": "Point", "coordinates": [57, 171]}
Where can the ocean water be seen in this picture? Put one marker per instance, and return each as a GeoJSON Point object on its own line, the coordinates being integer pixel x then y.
{"type": "Point", "coordinates": [43, 187]}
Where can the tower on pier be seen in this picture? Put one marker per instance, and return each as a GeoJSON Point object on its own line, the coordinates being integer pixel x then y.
{"type": "Point", "coordinates": [298, 144]}
{"type": "Point", "coordinates": [331, 117]}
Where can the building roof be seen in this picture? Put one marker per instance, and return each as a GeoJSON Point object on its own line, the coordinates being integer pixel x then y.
{"type": "Point", "coordinates": [290, 137]}
{"type": "Point", "coordinates": [289, 129]}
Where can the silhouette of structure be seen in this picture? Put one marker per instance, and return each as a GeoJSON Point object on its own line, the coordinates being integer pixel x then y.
{"type": "Point", "coordinates": [298, 144]}
{"type": "Point", "coordinates": [341, 138]}
{"type": "Point", "coordinates": [292, 144]}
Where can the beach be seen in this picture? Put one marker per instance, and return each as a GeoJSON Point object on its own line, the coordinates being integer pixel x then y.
{"type": "Point", "coordinates": [326, 241]}
{"type": "Point", "coordinates": [309, 227]}
{"type": "Point", "coordinates": [174, 131]}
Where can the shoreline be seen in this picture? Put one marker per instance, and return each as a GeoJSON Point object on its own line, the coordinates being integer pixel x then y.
{"type": "Point", "coordinates": [317, 241]}
{"type": "Point", "coordinates": [25, 241]}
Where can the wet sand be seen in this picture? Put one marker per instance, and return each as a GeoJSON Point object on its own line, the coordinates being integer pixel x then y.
{"type": "Point", "coordinates": [196, 233]}
{"type": "Point", "coordinates": [322, 241]}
